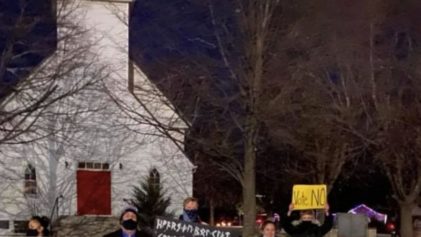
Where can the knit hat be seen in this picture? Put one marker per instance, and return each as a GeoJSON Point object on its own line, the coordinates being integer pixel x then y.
{"type": "Point", "coordinates": [128, 209]}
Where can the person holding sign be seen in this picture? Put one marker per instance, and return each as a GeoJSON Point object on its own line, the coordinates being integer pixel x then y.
{"type": "Point", "coordinates": [307, 225]}
{"type": "Point", "coordinates": [306, 198]}
{"type": "Point", "coordinates": [190, 211]}
{"type": "Point", "coordinates": [128, 225]}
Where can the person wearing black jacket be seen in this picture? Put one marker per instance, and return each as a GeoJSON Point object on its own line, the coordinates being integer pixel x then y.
{"type": "Point", "coordinates": [307, 225]}
{"type": "Point", "coordinates": [128, 225]}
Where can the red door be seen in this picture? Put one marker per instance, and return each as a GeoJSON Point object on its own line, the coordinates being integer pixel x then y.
{"type": "Point", "coordinates": [93, 192]}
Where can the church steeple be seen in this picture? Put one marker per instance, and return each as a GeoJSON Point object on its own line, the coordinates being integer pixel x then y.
{"type": "Point", "coordinates": [105, 26]}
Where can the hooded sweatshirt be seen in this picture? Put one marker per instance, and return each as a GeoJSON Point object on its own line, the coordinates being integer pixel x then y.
{"type": "Point", "coordinates": [299, 228]}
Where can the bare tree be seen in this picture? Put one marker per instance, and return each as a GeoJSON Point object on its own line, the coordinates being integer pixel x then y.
{"type": "Point", "coordinates": [43, 108]}
{"type": "Point", "coordinates": [393, 107]}
{"type": "Point", "coordinates": [244, 68]}
{"type": "Point", "coordinates": [215, 187]}
{"type": "Point", "coordinates": [33, 88]}
{"type": "Point", "coordinates": [374, 64]}
{"type": "Point", "coordinates": [339, 92]}
{"type": "Point", "coordinates": [67, 117]}
{"type": "Point", "coordinates": [395, 130]}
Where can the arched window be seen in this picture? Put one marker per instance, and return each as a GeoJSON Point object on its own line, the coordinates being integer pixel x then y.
{"type": "Point", "coordinates": [154, 177]}
{"type": "Point", "coordinates": [30, 182]}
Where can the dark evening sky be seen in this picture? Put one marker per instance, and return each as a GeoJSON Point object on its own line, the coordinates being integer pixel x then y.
{"type": "Point", "coordinates": [28, 49]}
{"type": "Point", "coordinates": [159, 30]}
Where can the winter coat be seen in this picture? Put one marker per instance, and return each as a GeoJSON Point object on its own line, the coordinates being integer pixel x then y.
{"type": "Point", "coordinates": [298, 228]}
{"type": "Point", "coordinates": [45, 233]}
{"type": "Point", "coordinates": [119, 233]}
{"type": "Point", "coordinates": [198, 220]}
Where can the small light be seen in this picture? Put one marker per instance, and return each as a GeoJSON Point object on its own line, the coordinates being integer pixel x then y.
{"type": "Point", "coordinates": [391, 227]}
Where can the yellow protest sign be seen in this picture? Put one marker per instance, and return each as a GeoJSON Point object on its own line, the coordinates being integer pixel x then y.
{"type": "Point", "coordinates": [309, 196]}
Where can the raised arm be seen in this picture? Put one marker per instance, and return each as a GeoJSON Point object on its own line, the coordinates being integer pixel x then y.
{"type": "Point", "coordinates": [328, 223]}
{"type": "Point", "coordinates": [287, 221]}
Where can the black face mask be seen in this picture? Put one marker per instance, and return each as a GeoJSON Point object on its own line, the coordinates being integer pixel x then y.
{"type": "Point", "coordinates": [192, 214]}
{"type": "Point", "coordinates": [129, 224]}
{"type": "Point", "coordinates": [31, 232]}
{"type": "Point", "coordinates": [307, 225]}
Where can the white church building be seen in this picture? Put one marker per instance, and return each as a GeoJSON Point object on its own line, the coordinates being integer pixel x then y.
{"type": "Point", "coordinates": [90, 163]}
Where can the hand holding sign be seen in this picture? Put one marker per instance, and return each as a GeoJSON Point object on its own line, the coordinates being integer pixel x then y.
{"type": "Point", "coordinates": [309, 197]}
{"type": "Point", "coordinates": [327, 207]}
{"type": "Point", "coordinates": [290, 209]}
{"type": "Point", "coordinates": [168, 227]}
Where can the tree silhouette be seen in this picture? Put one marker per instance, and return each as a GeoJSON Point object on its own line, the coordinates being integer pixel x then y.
{"type": "Point", "coordinates": [150, 199]}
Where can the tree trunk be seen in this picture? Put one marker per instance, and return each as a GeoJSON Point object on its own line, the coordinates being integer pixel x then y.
{"type": "Point", "coordinates": [211, 212]}
{"type": "Point", "coordinates": [406, 227]}
{"type": "Point", "coordinates": [249, 182]}
{"type": "Point", "coordinates": [52, 164]}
